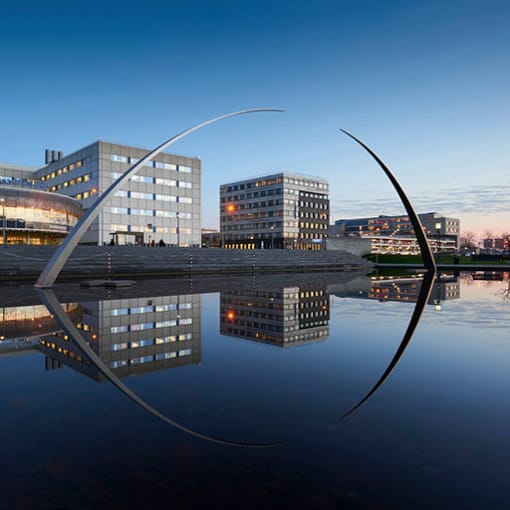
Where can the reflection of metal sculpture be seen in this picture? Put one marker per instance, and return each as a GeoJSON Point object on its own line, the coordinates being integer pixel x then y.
{"type": "Point", "coordinates": [50, 300]}
{"type": "Point", "coordinates": [426, 251]}
{"type": "Point", "coordinates": [56, 263]}
{"type": "Point", "coordinates": [423, 297]}
{"type": "Point", "coordinates": [428, 280]}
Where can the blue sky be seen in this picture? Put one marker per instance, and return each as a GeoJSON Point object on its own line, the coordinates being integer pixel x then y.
{"type": "Point", "coordinates": [425, 84]}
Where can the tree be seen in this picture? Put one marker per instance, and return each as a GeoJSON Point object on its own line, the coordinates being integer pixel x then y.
{"type": "Point", "coordinates": [467, 240]}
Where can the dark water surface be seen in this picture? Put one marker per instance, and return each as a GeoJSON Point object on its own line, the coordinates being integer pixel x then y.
{"type": "Point", "coordinates": [272, 359]}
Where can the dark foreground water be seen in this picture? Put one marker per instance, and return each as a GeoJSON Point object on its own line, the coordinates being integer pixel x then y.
{"type": "Point", "coordinates": [275, 359]}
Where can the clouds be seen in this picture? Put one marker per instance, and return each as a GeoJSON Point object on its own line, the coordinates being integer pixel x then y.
{"type": "Point", "coordinates": [483, 200]}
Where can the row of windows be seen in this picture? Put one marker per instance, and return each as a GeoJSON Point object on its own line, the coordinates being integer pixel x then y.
{"type": "Point", "coordinates": [150, 325]}
{"type": "Point", "coordinates": [316, 226]}
{"type": "Point", "coordinates": [62, 350]}
{"type": "Point", "coordinates": [313, 195]}
{"type": "Point", "coordinates": [256, 194]}
{"type": "Point", "coordinates": [151, 341]}
{"type": "Point", "coordinates": [251, 226]}
{"type": "Point", "coordinates": [313, 215]}
{"type": "Point", "coordinates": [65, 169]}
{"type": "Point", "coordinates": [148, 212]}
{"type": "Point", "coordinates": [314, 205]}
{"type": "Point", "coordinates": [149, 358]}
{"type": "Point", "coordinates": [153, 196]}
{"type": "Point", "coordinates": [152, 164]}
{"type": "Point", "coordinates": [251, 216]}
{"type": "Point", "coordinates": [150, 308]}
{"type": "Point", "coordinates": [154, 180]}
{"type": "Point", "coordinates": [70, 182]}
{"type": "Point", "coordinates": [272, 182]}
{"type": "Point", "coordinates": [85, 194]}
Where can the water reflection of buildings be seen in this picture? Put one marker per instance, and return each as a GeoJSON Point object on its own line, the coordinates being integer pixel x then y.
{"type": "Point", "coordinates": [285, 317]}
{"type": "Point", "coordinates": [406, 288]}
{"type": "Point", "coordinates": [131, 336]}
{"type": "Point", "coordinates": [22, 326]}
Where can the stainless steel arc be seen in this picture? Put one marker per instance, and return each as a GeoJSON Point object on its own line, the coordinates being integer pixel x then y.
{"type": "Point", "coordinates": [426, 250]}
{"type": "Point", "coordinates": [51, 302]}
{"type": "Point", "coordinates": [56, 263]}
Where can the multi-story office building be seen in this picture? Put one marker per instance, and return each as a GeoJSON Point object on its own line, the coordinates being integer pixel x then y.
{"type": "Point", "coordinates": [160, 202]}
{"type": "Point", "coordinates": [395, 234]}
{"type": "Point", "coordinates": [131, 336]}
{"type": "Point", "coordinates": [282, 210]}
{"type": "Point", "coordinates": [287, 317]}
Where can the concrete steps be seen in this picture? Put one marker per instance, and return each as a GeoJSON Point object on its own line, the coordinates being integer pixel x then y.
{"type": "Point", "coordinates": [26, 262]}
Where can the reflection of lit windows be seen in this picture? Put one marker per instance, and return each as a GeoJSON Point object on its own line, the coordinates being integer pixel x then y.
{"type": "Point", "coordinates": [185, 200]}
{"type": "Point", "coordinates": [142, 359]}
{"type": "Point", "coordinates": [119, 363]}
{"type": "Point", "coordinates": [118, 311]}
{"type": "Point", "coordinates": [119, 347]}
{"type": "Point", "coordinates": [166, 307]}
{"type": "Point", "coordinates": [185, 169]}
{"type": "Point", "coordinates": [165, 339]}
{"type": "Point", "coordinates": [141, 309]}
{"type": "Point", "coordinates": [184, 352]}
{"type": "Point", "coordinates": [119, 329]}
{"type": "Point", "coordinates": [166, 324]}
{"type": "Point", "coordinates": [140, 327]}
{"type": "Point", "coordinates": [142, 343]}
{"type": "Point", "coordinates": [165, 355]}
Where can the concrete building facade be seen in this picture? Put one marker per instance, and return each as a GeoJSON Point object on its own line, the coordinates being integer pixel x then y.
{"type": "Point", "coordinates": [160, 203]}
{"type": "Point", "coordinates": [395, 234]}
{"type": "Point", "coordinates": [282, 210]}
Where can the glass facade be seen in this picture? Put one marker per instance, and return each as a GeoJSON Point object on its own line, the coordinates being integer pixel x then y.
{"type": "Point", "coordinates": [30, 216]}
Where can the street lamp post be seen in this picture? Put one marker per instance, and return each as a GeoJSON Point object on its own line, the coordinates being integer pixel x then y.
{"type": "Point", "coordinates": [4, 236]}
{"type": "Point", "coordinates": [178, 231]}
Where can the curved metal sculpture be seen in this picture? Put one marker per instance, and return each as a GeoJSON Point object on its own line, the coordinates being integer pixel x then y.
{"type": "Point", "coordinates": [50, 273]}
{"type": "Point", "coordinates": [425, 249]}
{"type": "Point", "coordinates": [423, 297]}
{"type": "Point", "coordinates": [63, 320]}
{"type": "Point", "coordinates": [428, 280]}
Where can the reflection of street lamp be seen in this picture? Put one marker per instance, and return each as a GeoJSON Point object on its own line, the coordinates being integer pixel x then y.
{"type": "Point", "coordinates": [178, 229]}
{"type": "Point", "coordinates": [272, 236]}
{"type": "Point", "coordinates": [3, 220]}
{"type": "Point", "coordinates": [437, 300]}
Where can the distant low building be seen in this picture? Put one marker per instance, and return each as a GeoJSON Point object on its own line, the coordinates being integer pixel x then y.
{"type": "Point", "coordinates": [395, 234]}
{"type": "Point", "coordinates": [496, 245]}
{"type": "Point", "coordinates": [211, 238]}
